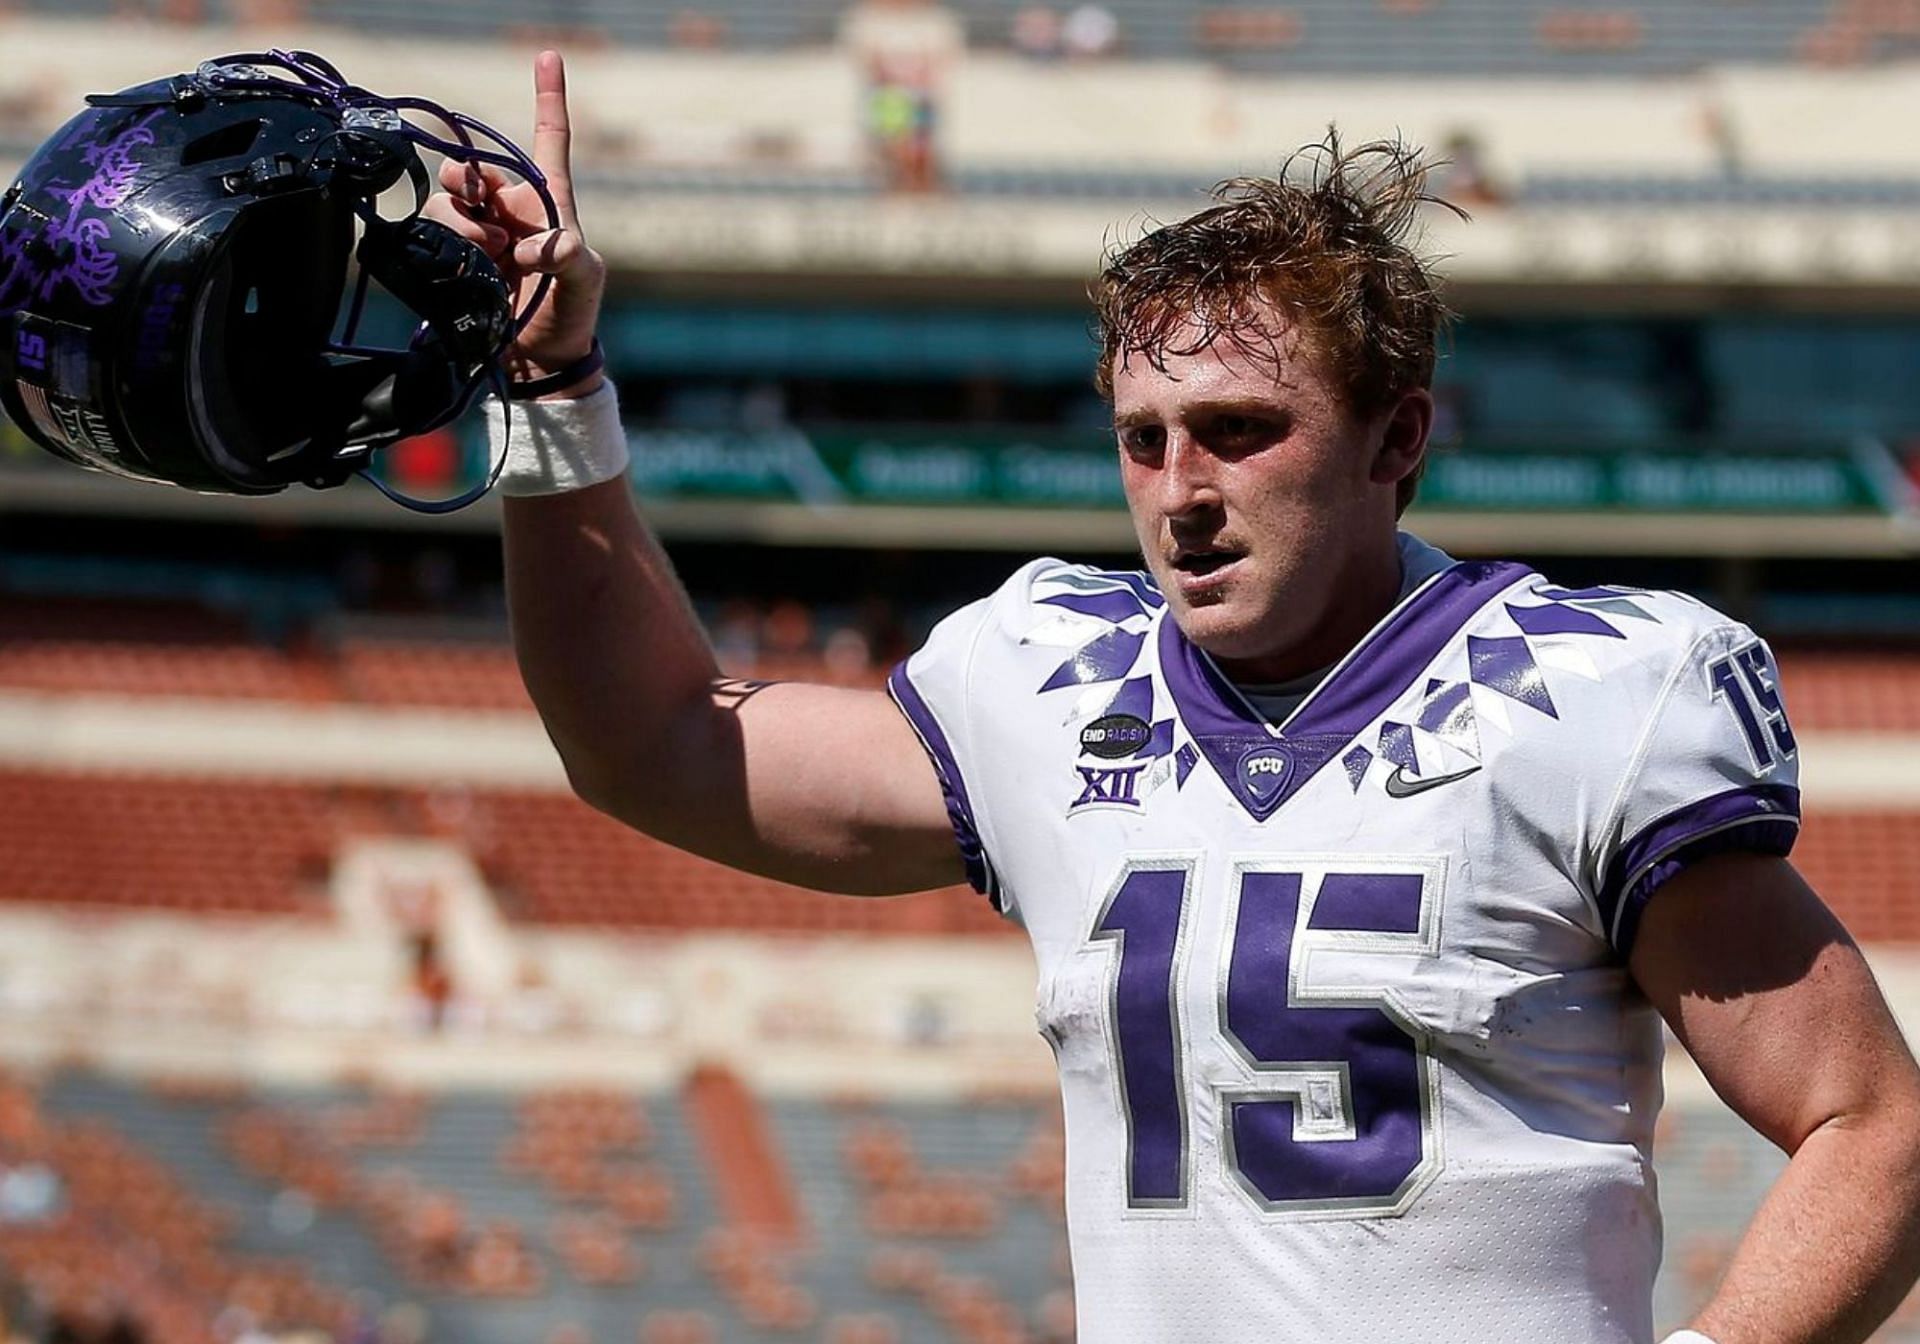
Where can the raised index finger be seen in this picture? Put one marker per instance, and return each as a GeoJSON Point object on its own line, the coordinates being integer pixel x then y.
{"type": "Point", "coordinates": [553, 133]}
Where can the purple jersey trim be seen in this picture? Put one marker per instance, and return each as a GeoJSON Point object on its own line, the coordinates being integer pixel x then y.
{"type": "Point", "coordinates": [952, 784]}
{"type": "Point", "coordinates": [1353, 695]}
{"type": "Point", "coordinates": [1761, 819]}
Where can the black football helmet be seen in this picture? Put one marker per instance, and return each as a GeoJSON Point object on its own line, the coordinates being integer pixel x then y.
{"type": "Point", "coordinates": [173, 264]}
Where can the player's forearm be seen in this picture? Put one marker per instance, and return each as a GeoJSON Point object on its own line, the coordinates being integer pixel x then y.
{"type": "Point", "coordinates": [608, 644]}
{"type": "Point", "coordinates": [1835, 1246]}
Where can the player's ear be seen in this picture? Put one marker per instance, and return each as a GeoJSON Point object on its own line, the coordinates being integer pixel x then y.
{"type": "Point", "coordinates": [1402, 430]}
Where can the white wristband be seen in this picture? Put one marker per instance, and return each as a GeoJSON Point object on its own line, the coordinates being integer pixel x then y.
{"type": "Point", "coordinates": [555, 446]}
{"type": "Point", "coordinates": [1686, 1337]}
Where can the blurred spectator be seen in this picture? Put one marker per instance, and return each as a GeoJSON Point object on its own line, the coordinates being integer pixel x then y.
{"type": "Point", "coordinates": [905, 48]}
{"type": "Point", "coordinates": [1462, 176]}
{"type": "Point", "coordinates": [1724, 137]}
{"type": "Point", "coordinates": [900, 127]}
{"type": "Point", "coordinates": [1037, 33]}
{"type": "Point", "coordinates": [1090, 33]}
{"type": "Point", "coordinates": [432, 981]}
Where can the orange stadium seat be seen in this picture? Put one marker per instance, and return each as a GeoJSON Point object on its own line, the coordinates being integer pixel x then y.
{"type": "Point", "coordinates": [1243, 29]}
{"type": "Point", "coordinates": [679, 1327]}
{"type": "Point", "coordinates": [1852, 692]}
{"type": "Point", "coordinates": [457, 676]}
{"type": "Point", "coordinates": [132, 1234]}
{"type": "Point", "coordinates": [567, 864]}
{"type": "Point", "coordinates": [99, 838]}
{"type": "Point", "coordinates": [152, 654]}
{"type": "Point", "coordinates": [864, 1328]}
{"type": "Point", "coordinates": [255, 847]}
{"type": "Point", "coordinates": [1867, 866]}
{"type": "Point", "coordinates": [1570, 30]}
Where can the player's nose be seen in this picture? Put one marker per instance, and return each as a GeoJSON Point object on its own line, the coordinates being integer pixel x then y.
{"type": "Point", "coordinates": [1188, 478]}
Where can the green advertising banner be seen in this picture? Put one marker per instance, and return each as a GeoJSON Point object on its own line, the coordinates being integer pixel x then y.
{"type": "Point", "coordinates": [1066, 469]}
{"type": "Point", "coordinates": [1076, 469]}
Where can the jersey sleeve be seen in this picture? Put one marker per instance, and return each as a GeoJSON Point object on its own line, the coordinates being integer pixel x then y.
{"type": "Point", "coordinates": [936, 688]}
{"type": "Point", "coordinates": [1716, 769]}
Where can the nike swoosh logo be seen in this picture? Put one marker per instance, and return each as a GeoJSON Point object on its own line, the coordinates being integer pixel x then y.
{"type": "Point", "coordinates": [1400, 786]}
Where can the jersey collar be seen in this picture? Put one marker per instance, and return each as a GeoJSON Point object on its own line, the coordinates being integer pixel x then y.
{"type": "Point", "coordinates": [1263, 765]}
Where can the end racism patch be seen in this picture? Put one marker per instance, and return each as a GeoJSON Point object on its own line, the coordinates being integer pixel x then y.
{"type": "Point", "coordinates": [1115, 736]}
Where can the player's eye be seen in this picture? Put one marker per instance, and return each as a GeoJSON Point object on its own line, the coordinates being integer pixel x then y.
{"type": "Point", "coordinates": [1143, 441]}
{"type": "Point", "coordinates": [1235, 434]}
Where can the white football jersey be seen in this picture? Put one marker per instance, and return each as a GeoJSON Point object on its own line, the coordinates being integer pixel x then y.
{"type": "Point", "coordinates": [1348, 1049]}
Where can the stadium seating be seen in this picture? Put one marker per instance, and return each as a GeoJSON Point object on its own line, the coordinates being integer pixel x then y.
{"type": "Point", "coordinates": [557, 862]}
{"type": "Point", "coordinates": [1851, 692]}
{"type": "Point", "coordinates": [1551, 37]}
{"type": "Point", "coordinates": [266, 847]}
{"type": "Point", "coordinates": [697, 1279]}
{"type": "Point", "coordinates": [242, 847]}
{"type": "Point", "coordinates": [463, 676]}
{"type": "Point", "coordinates": [131, 1234]}
{"type": "Point", "coordinates": [58, 648]}
{"type": "Point", "coordinates": [183, 651]}
{"type": "Point", "coordinates": [249, 847]}
{"type": "Point", "coordinates": [433, 1211]}
{"type": "Point", "coordinates": [231, 846]}
{"type": "Point", "coordinates": [1863, 864]}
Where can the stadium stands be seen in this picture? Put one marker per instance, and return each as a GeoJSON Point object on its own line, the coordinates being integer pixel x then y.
{"type": "Point", "coordinates": [695, 1278]}
{"type": "Point", "coordinates": [1830, 691]}
{"type": "Point", "coordinates": [216, 847]}
{"type": "Point", "coordinates": [161, 652]}
{"type": "Point", "coordinates": [457, 676]}
{"type": "Point", "coordinates": [259, 847]}
{"type": "Point", "coordinates": [1863, 864]}
{"type": "Point", "coordinates": [386, 1217]}
{"type": "Point", "coordinates": [169, 649]}
{"type": "Point", "coordinates": [247, 846]}
{"type": "Point", "coordinates": [131, 1238]}
{"type": "Point", "coordinates": [1550, 37]}
{"type": "Point", "coordinates": [254, 847]}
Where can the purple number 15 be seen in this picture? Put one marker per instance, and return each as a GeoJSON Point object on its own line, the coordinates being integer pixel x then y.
{"type": "Point", "coordinates": [1333, 1115]}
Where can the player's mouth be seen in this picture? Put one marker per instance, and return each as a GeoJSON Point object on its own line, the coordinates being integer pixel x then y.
{"type": "Point", "coordinates": [1204, 567]}
{"type": "Point", "coordinates": [1201, 560]}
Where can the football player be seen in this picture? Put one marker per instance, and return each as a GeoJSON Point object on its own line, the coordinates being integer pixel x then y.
{"type": "Point", "coordinates": [1360, 881]}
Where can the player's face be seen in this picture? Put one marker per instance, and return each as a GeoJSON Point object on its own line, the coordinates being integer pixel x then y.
{"type": "Point", "coordinates": [1265, 509]}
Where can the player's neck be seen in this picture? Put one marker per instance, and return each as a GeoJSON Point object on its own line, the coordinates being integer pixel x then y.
{"type": "Point", "coordinates": [1366, 593]}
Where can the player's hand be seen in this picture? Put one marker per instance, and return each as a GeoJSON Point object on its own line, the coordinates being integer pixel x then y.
{"type": "Point", "coordinates": [507, 220]}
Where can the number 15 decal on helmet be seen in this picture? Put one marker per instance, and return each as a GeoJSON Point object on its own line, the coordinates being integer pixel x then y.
{"type": "Point", "coordinates": [173, 265]}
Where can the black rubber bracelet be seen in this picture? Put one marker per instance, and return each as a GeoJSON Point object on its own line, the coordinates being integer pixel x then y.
{"type": "Point", "coordinates": [584, 367]}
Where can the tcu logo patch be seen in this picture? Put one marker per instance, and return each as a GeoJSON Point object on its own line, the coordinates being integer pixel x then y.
{"type": "Point", "coordinates": [1264, 772]}
{"type": "Point", "coordinates": [1107, 787]}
